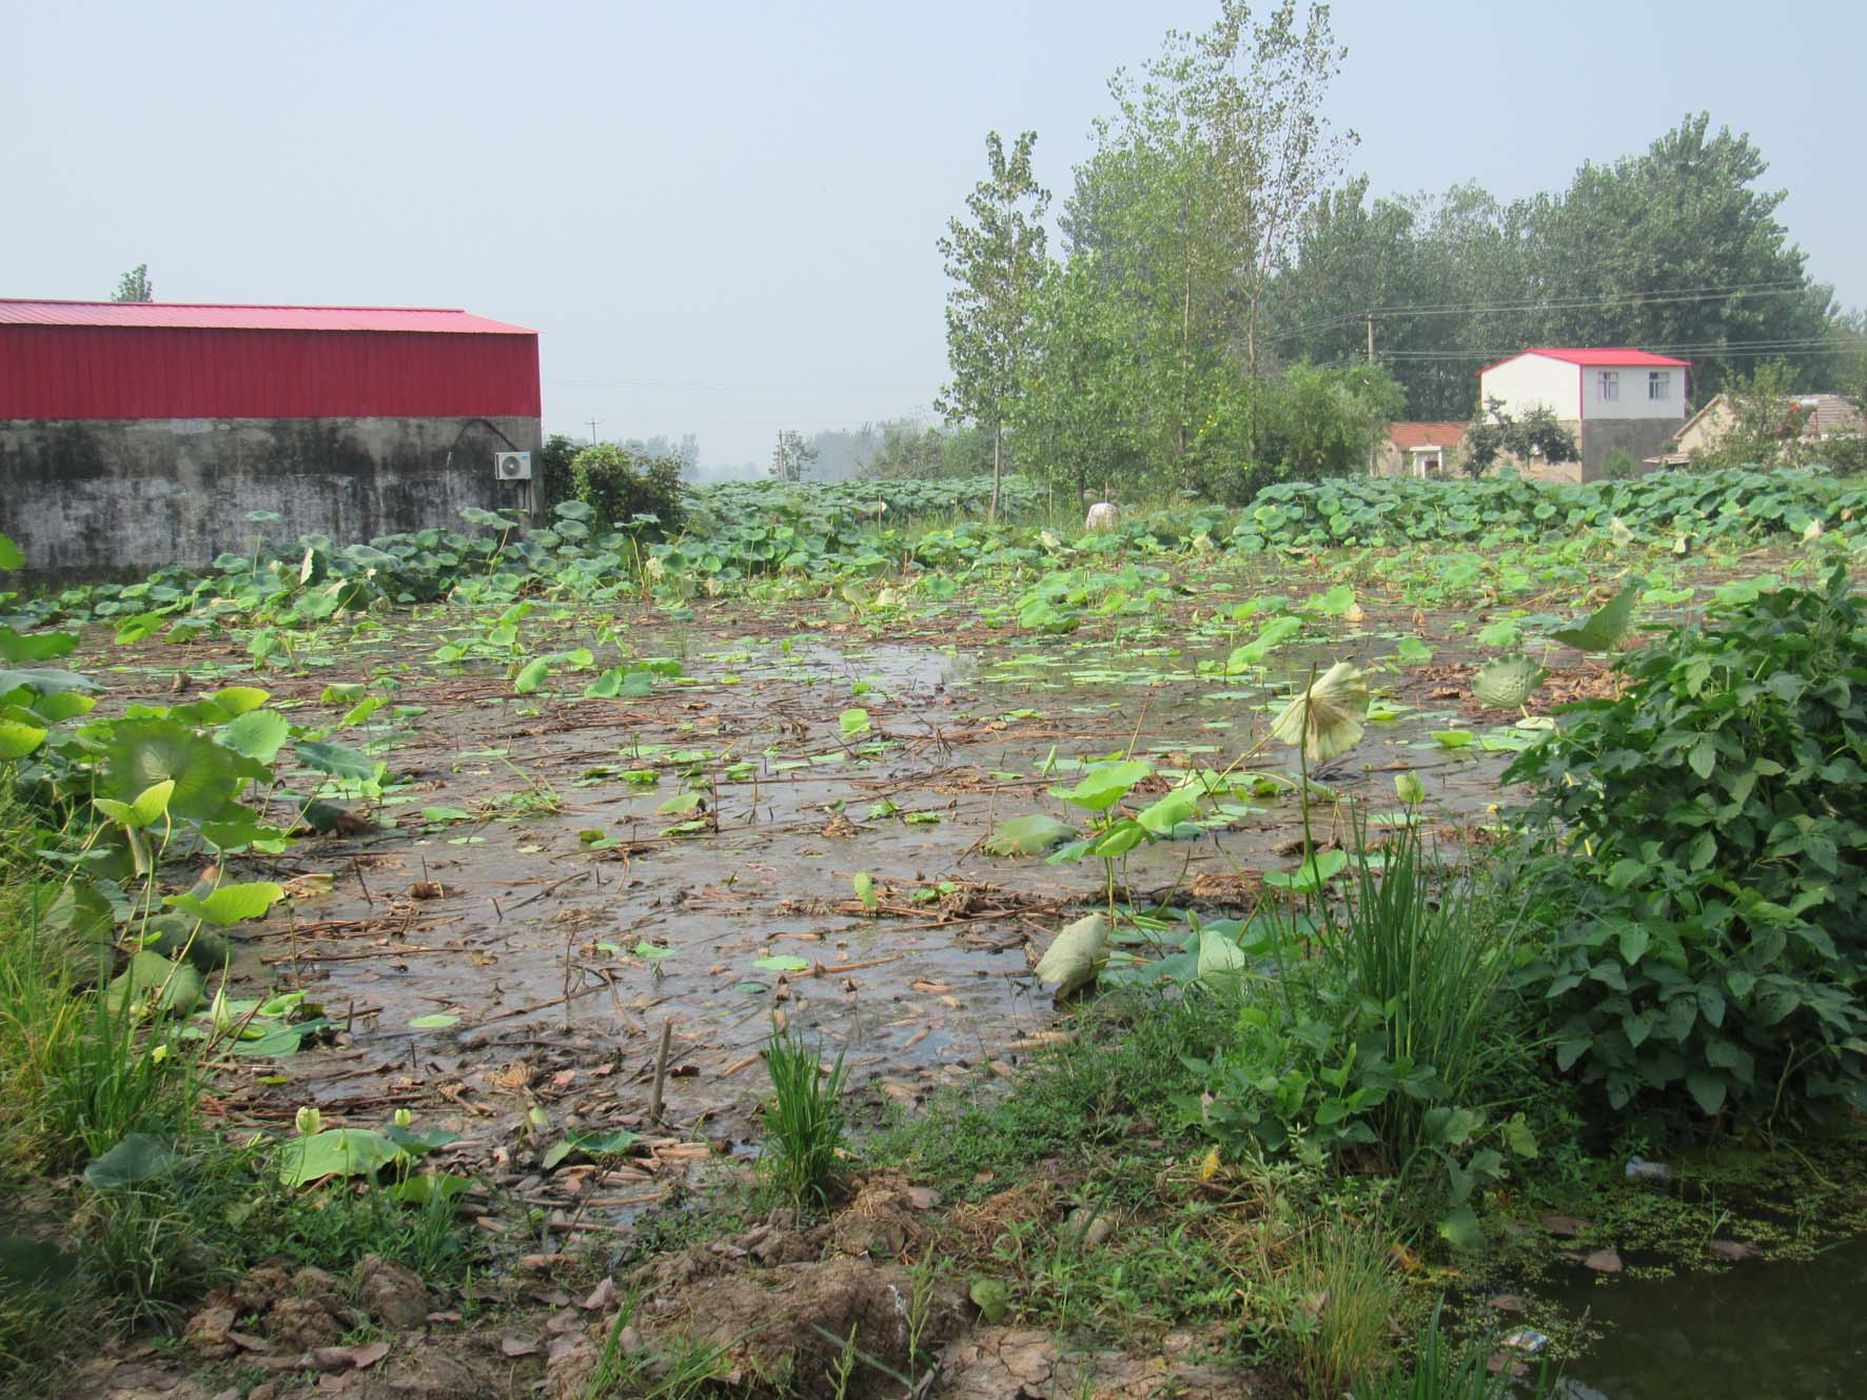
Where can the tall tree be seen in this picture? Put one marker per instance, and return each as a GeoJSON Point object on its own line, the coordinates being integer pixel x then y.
{"type": "Point", "coordinates": [996, 258]}
{"type": "Point", "coordinates": [791, 456]}
{"type": "Point", "coordinates": [1676, 247]}
{"type": "Point", "coordinates": [135, 285]}
{"type": "Point", "coordinates": [1081, 415]}
{"type": "Point", "coordinates": [1195, 192]}
{"type": "Point", "coordinates": [1673, 249]}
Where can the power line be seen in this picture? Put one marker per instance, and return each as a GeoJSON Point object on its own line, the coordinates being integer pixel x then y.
{"type": "Point", "coordinates": [1714, 349]}
{"type": "Point", "coordinates": [1778, 287]}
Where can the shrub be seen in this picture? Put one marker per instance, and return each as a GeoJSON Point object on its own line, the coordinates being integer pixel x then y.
{"type": "Point", "coordinates": [1711, 825]}
{"type": "Point", "coordinates": [630, 491]}
{"type": "Point", "coordinates": [1390, 1044]}
{"type": "Point", "coordinates": [1620, 466]}
{"type": "Point", "coordinates": [554, 480]}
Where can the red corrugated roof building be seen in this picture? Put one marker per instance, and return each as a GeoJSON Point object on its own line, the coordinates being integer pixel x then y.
{"type": "Point", "coordinates": [76, 360]}
{"type": "Point", "coordinates": [136, 434]}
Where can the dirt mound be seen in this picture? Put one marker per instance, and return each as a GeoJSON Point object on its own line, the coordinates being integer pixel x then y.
{"type": "Point", "coordinates": [1009, 1363]}
{"type": "Point", "coordinates": [784, 1329]}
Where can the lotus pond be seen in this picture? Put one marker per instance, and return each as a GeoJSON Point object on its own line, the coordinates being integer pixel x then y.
{"type": "Point", "coordinates": [532, 838]}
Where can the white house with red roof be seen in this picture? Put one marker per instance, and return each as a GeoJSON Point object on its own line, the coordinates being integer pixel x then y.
{"type": "Point", "coordinates": [1611, 398]}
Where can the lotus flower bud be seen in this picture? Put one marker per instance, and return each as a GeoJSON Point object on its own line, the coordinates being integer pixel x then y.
{"type": "Point", "coordinates": [309, 1121]}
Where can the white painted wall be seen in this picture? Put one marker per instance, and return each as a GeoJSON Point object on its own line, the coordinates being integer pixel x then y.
{"type": "Point", "coordinates": [1534, 381]}
{"type": "Point", "coordinates": [1576, 391]}
{"type": "Point", "coordinates": [1634, 400]}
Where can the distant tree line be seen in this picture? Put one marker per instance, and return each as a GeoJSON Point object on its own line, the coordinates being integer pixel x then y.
{"type": "Point", "coordinates": [1674, 250]}
{"type": "Point", "coordinates": [1208, 325]}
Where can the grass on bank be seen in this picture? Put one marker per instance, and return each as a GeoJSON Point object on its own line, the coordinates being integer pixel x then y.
{"type": "Point", "coordinates": [1268, 1149]}
{"type": "Point", "coordinates": [78, 1075]}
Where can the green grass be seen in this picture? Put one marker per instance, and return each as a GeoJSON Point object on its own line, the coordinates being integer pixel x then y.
{"type": "Point", "coordinates": [1440, 1370]}
{"type": "Point", "coordinates": [1340, 1299]}
{"type": "Point", "coordinates": [1434, 951]}
{"type": "Point", "coordinates": [77, 1076]}
{"type": "Point", "coordinates": [804, 1120]}
{"type": "Point", "coordinates": [1079, 1103]}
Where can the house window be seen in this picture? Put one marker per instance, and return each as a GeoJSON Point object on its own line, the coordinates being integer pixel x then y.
{"type": "Point", "coordinates": [1659, 384]}
{"type": "Point", "coordinates": [1609, 386]}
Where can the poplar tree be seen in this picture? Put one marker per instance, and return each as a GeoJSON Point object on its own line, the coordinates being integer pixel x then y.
{"type": "Point", "coordinates": [996, 257]}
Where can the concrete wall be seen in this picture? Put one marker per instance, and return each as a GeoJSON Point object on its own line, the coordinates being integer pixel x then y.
{"type": "Point", "coordinates": [1532, 381]}
{"type": "Point", "coordinates": [1597, 439]}
{"type": "Point", "coordinates": [1638, 437]}
{"type": "Point", "coordinates": [96, 496]}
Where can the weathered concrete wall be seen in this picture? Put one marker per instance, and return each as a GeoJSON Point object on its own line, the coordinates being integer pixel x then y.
{"type": "Point", "coordinates": [1597, 439]}
{"type": "Point", "coordinates": [1638, 437]}
{"type": "Point", "coordinates": [100, 496]}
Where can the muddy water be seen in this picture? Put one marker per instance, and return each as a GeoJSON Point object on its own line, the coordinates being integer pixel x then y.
{"type": "Point", "coordinates": [569, 926]}
{"type": "Point", "coordinates": [1787, 1329]}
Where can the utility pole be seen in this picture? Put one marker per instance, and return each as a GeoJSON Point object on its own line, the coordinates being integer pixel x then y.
{"type": "Point", "coordinates": [595, 421]}
{"type": "Point", "coordinates": [1370, 337]}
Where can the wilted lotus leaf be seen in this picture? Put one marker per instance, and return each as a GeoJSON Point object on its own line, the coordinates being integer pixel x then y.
{"type": "Point", "coordinates": [1077, 957]}
{"type": "Point", "coordinates": [1326, 719]}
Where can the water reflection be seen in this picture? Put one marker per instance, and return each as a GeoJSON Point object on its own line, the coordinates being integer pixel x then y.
{"type": "Point", "coordinates": [1785, 1329]}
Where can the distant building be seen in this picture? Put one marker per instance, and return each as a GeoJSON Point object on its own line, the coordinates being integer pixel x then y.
{"type": "Point", "coordinates": [139, 434]}
{"type": "Point", "coordinates": [1418, 449]}
{"type": "Point", "coordinates": [1810, 417]}
{"type": "Point", "coordinates": [1612, 399]}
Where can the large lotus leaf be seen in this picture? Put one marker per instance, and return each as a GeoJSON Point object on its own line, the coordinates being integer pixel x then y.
{"type": "Point", "coordinates": [338, 760]}
{"type": "Point", "coordinates": [57, 705]}
{"type": "Point", "coordinates": [1078, 955]}
{"type": "Point", "coordinates": [17, 738]}
{"type": "Point", "coordinates": [44, 682]}
{"type": "Point", "coordinates": [1506, 683]}
{"type": "Point", "coordinates": [1164, 815]}
{"type": "Point", "coordinates": [1105, 784]}
{"type": "Point", "coordinates": [259, 734]}
{"type": "Point", "coordinates": [140, 753]}
{"type": "Point", "coordinates": [334, 1152]}
{"type": "Point", "coordinates": [1277, 631]}
{"type": "Point", "coordinates": [1031, 835]}
{"type": "Point", "coordinates": [35, 646]}
{"type": "Point", "coordinates": [220, 706]}
{"type": "Point", "coordinates": [230, 904]}
{"type": "Point", "coordinates": [1607, 624]}
{"type": "Point", "coordinates": [1326, 719]}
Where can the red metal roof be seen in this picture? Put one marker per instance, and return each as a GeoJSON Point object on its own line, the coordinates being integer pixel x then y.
{"type": "Point", "coordinates": [1592, 355]}
{"type": "Point", "coordinates": [114, 371]}
{"type": "Point", "coordinates": [177, 315]}
{"type": "Point", "coordinates": [1410, 435]}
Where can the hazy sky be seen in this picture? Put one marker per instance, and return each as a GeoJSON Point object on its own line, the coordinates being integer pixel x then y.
{"type": "Point", "coordinates": [722, 217]}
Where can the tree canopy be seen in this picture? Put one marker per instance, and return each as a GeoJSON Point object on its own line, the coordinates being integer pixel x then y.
{"type": "Point", "coordinates": [1228, 312]}
{"type": "Point", "coordinates": [1675, 249]}
{"type": "Point", "coordinates": [996, 259]}
{"type": "Point", "coordinates": [135, 285]}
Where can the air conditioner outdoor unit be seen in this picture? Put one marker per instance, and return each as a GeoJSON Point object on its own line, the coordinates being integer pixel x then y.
{"type": "Point", "coordinates": [512, 466]}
